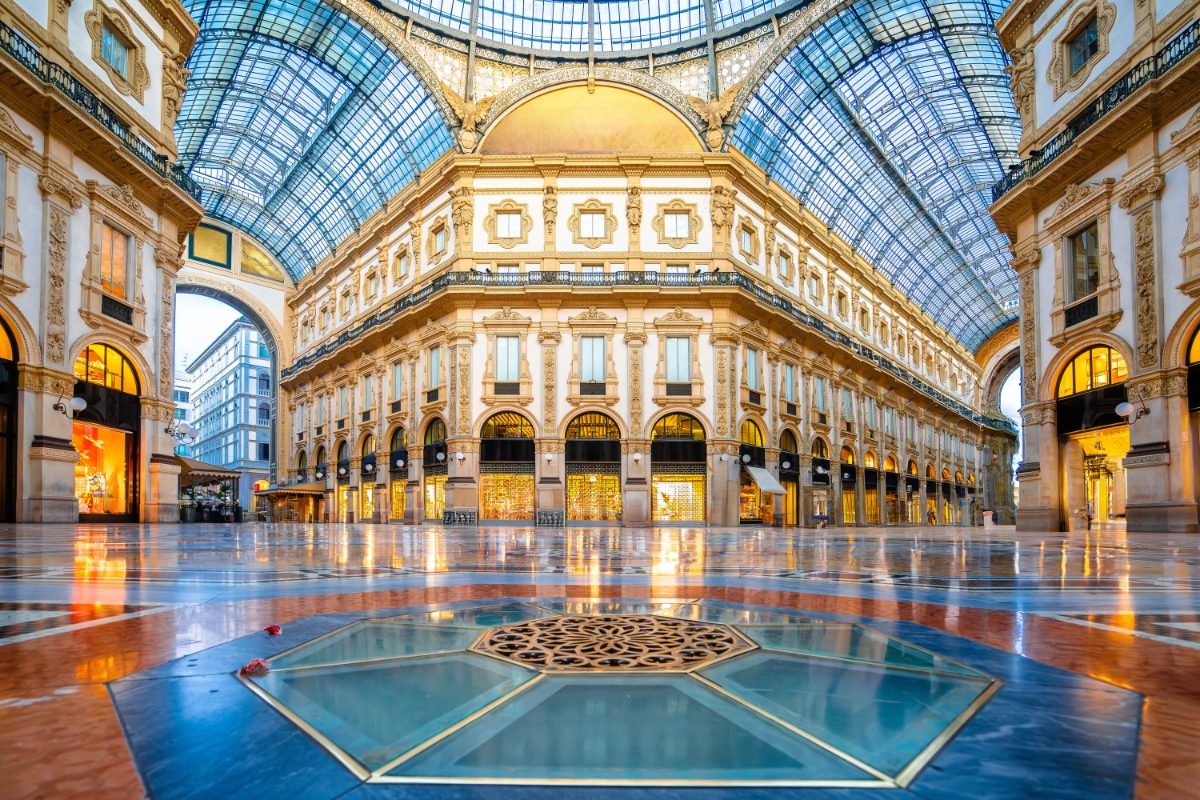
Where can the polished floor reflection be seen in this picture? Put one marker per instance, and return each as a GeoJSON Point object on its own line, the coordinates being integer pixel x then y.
{"type": "Point", "coordinates": [119, 644]}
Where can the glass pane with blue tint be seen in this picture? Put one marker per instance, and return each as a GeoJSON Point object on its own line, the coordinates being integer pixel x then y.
{"type": "Point", "coordinates": [366, 641]}
{"type": "Point", "coordinates": [483, 617]}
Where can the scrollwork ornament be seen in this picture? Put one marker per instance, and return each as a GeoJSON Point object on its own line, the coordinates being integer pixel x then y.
{"type": "Point", "coordinates": [1147, 289]}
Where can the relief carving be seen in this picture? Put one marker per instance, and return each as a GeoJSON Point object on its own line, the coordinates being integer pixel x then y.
{"type": "Point", "coordinates": [462, 212]}
{"type": "Point", "coordinates": [1023, 79]}
{"type": "Point", "coordinates": [1029, 369]}
{"type": "Point", "coordinates": [722, 392]}
{"type": "Point", "coordinates": [633, 210]}
{"type": "Point", "coordinates": [722, 209]}
{"type": "Point", "coordinates": [166, 330]}
{"type": "Point", "coordinates": [56, 276]}
{"type": "Point", "coordinates": [1146, 287]}
{"type": "Point", "coordinates": [470, 113]}
{"type": "Point", "coordinates": [464, 388]}
{"type": "Point", "coordinates": [1143, 191]}
{"type": "Point", "coordinates": [53, 186]}
{"type": "Point", "coordinates": [635, 388]}
{"type": "Point", "coordinates": [549, 212]}
{"type": "Point", "coordinates": [549, 380]}
{"type": "Point", "coordinates": [174, 85]}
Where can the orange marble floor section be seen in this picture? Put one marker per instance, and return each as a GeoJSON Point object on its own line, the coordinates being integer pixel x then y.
{"type": "Point", "coordinates": [78, 733]}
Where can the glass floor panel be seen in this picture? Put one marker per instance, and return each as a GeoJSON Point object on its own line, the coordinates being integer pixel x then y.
{"type": "Point", "coordinates": [610, 728]}
{"type": "Point", "coordinates": [481, 617]}
{"type": "Point", "coordinates": [365, 641]}
{"type": "Point", "coordinates": [376, 711]}
{"type": "Point", "coordinates": [852, 642]}
{"type": "Point", "coordinates": [587, 607]}
{"type": "Point", "coordinates": [884, 717]}
{"type": "Point", "coordinates": [736, 616]}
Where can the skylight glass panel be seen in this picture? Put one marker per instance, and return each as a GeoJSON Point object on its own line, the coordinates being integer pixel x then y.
{"type": "Point", "coordinates": [727, 13]}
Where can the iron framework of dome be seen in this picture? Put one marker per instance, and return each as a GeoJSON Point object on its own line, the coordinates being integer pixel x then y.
{"type": "Point", "coordinates": [890, 121]}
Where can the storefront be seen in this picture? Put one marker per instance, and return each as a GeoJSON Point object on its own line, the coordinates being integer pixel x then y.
{"type": "Point", "coordinates": [678, 470]}
{"type": "Point", "coordinates": [398, 474]}
{"type": "Point", "coordinates": [593, 460]}
{"type": "Point", "coordinates": [8, 424]}
{"type": "Point", "coordinates": [789, 477]}
{"type": "Point", "coordinates": [433, 470]}
{"type": "Point", "coordinates": [871, 488]}
{"type": "Point", "coordinates": [751, 454]}
{"type": "Point", "coordinates": [106, 434]}
{"type": "Point", "coordinates": [947, 498]}
{"type": "Point", "coordinates": [891, 491]}
{"type": "Point", "coordinates": [367, 479]}
{"type": "Point", "coordinates": [931, 498]}
{"type": "Point", "coordinates": [821, 483]}
{"type": "Point", "coordinates": [506, 468]}
{"type": "Point", "coordinates": [912, 496]}
{"type": "Point", "coordinates": [207, 492]}
{"type": "Point", "coordinates": [346, 494]}
{"type": "Point", "coordinates": [849, 492]}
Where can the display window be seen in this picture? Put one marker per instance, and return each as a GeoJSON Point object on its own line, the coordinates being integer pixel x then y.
{"type": "Point", "coordinates": [849, 506]}
{"type": "Point", "coordinates": [399, 499]}
{"type": "Point", "coordinates": [594, 496]}
{"type": "Point", "coordinates": [102, 477]}
{"type": "Point", "coordinates": [345, 509]}
{"type": "Point", "coordinates": [368, 503]}
{"type": "Point", "coordinates": [435, 496]}
{"type": "Point", "coordinates": [871, 506]}
{"type": "Point", "coordinates": [791, 503]}
{"type": "Point", "coordinates": [678, 498]}
{"type": "Point", "coordinates": [749, 500]}
{"type": "Point", "coordinates": [506, 496]}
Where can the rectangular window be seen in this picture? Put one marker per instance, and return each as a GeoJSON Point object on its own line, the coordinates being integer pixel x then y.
{"type": "Point", "coordinates": [847, 405]}
{"type": "Point", "coordinates": [115, 51]}
{"type": "Point", "coordinates": [591, 269]}
{"type": "Point", "coordinates": [819, 393]}
{"type": "Point", "coordinates": [591, 357]}
{"type": "Point", "coordinates": [343, 402]}
{"type": "Point", "coordinates": [439, 240]}
{"type": "Point", "coordinates": [508, 225]}
{"type": "Point", "coordinates": [747, 240]}
{"type": "Point", "coordinates": [508, 354]}
{"type": "Point", "coordinates": [401, 268]}
{"type": "Point", "coordinates": [345, 303]}
{"type": "Point", "coordinates": [114, 260]}
{"type": "Point", "coordinates": [1084, 250]}
{"type": "Point", "coordinates": [592, 225]}
{"type": "Point", "coordinates": [889, 420]}
{"type": "Point", "coordinates": [264, 451]}
{"type": "Point", "coordinates": [677, 226]}
{"type": "Point", "coordinates": [784, 265]}
{"type": "Point", "coordinates": [752, 368]}
{"type": "Point", "coordinates": [398, 380]}
{"type": "Point", "coordinates": [435, 366]}
{"type": "Point", "coordinates": [869, 408]}
{"type": "Point", "coordinates": [372, 285]}
{"type": "Point", "coordinates": [1083, 45]}
{"type": "Point", "coordinates": [789, 382]}
{"type": "Point", "coordinates": [679, 359]}
{"type": "Point", "coordinates": [368, 392]}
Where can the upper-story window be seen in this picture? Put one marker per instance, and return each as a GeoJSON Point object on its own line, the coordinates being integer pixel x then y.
{"type": "Point", "coordinates": [747, 240]}
{"type": "Point", "coordinates": [677, 225]}
{"type": "Point", "coordinates": [819, 393]}
{"type": "Point", "coordinates": [325, 317]}
{"type": "Point", "coordinates": [592, 225]}
{"type": "Point", "coordinates": [847, 405]}
{"type": "Point", "coordinates": [435, 366]}
{"type": "Point", "coordinates": [345, 302]}
{"type": "Point", "coordinates": [783, 264]}
{"type": "Point", "coordinates": [1084, 44]}
{"type": "Point", "coordinates": [814, 285]}
{"type": "Point", "coordinates": [114, 260]}
{"type": "Point", "coordinates": [264, 384]}
{"type": "Point", "coordinates": [343, 402]}
{"type": "Point", "coordinates": [400, 265]}
{"type": "Point", "coordinates": [679, 359]}
{"type": "Point", "coordinates": [114, 49]}
{"type": "Point", "coordinates": [371, 285]}
{"type": "Point", "coordinates": [368, 392]}
{"type": "Point", "coordinates": [789, 382]}
{"type": "Point", "coordinates": [438, 238]}
{"type": "Point", "coordinates": [753, 365]}
{"type": "Point", "coordinates": [508, 225]}
{"type": "Point", "coordinates": [591, 269]}
{"type": "Point", "coordinates": [843, 305]}
{"type": "Point", "coordinates": [508, 359]}
{"type": "Point", "coordinates": [264, 414]}
{"type": "Point", "coordinates": [592, 359]}
{"type": "Point", "coordinates": [398, 381]}
{"type": "Point", "coordinates": [1084, 249]}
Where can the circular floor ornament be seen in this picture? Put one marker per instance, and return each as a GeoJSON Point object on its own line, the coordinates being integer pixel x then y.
{"type": "Point", "coordinates": [614, 642]}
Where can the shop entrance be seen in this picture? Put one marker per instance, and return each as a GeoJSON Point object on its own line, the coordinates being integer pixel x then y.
{"type": "Point", "coordinates": [434, 469]}
{"type": "Point", "coordinates": [506, 468]}
{"type": "Point", "coordinates": [593, 469]}
{"type": "Point", "coordinates": [1095, 477]}
{"type": "Point", "coordinates": [105, 434]}
{"type": "Point", "coordinates": [8, 424]}
{"type": "Point", "coordinates": [678, 470]}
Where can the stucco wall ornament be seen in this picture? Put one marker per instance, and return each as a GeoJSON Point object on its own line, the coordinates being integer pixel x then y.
{"type": "Point", "coordinates": [56, 275]}
{"type": "Point", "coordinates": [1023, 79]}
{"type": "Point", "coordinates": [53, 186]}
{"type": "Point", "coordinates": [722, 209]}
{"type": "Point", "coordinates": [549, 211]}
{"type": "Point", "coordinates": [175, 79]}
{"type": "Point", "coordinates": [1143, 191]}
{"type": "Point", "coordinates": [1146, 289]}
{"type": "Point", "coordinates": [1028, 340]}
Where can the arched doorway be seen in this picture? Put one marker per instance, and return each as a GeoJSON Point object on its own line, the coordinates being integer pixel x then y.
{"type": "Point", "coordinates": [871, 488]}
{"type": "Point", "coordinates": [891, 490]}
{"type": "Point", "coordinates": [678, 470]}
{"type": "Point", "coordinates": [931, 495]}
{"type": "Point", "coordinates": [593, 469]}
{"type": "Point", "coordinates": [433, 468]}
{"type": "Point", "coordinates": [506, 468]}
{"type": "Point", "coordinates": [947, 495]}
{"type": "Point", "coordinates": [912, 493]}
{"type": "Point", "coordinates": [345, 492]}
{"type": "Point", "coordinates": [789, 477]}
{"type": "Point", "coordinates": [1093, 438]}
{"type": "Point", "coordinates": [398, 473]}
{"type": "Point", "coordinates": [9, 356]}
{"type": "Point", "coordinates": [106, 435]}
{"type": "Point", "coordinates": [849, 482]}
{"type": "Point", "coordinates": [822, 483]}
{"type": "Point", "coordinates": [751, 454]}
{"type": "Point", "coordinates": [367, 477]}
{"type": "Point", "coordinates": [321, 468]}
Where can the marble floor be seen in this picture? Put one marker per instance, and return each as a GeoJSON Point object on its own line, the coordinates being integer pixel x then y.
{"type": "Point", "coordinates": [120, 647]}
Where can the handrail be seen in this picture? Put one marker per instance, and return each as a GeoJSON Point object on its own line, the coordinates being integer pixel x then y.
{"type": "Point", "coordinates": [1142, 72]}
{"type": "Point", "coordinates": [52, 74]}
{"type": "Point", "coordinates": [535, 278]}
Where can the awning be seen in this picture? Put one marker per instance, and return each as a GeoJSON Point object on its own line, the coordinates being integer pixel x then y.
{"type": "Point", "coordinates": [190, 467]}
{"type": "Point", "coordinates": [307, 489]}
{"type": "Point", "coordinates": [765, 480]}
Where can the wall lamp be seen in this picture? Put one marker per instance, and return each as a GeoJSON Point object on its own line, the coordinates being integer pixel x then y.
{"type": "Point", "coordinates": [441, 456]}
{"type": "Point", "coordinates": [786, 465]}
{"type": "Point", "coordinates": [399, 463]}
{"type": "Point", "coordinates": [549, 457]}
{"type": "Point", "coordinates": [368, 467]}
{"type": "Point", "coordinates": [459, 456]}
{"type": "Point", "coordinates": [637, 458]}
{"type": "Point", "coordinates": [1127, 410]}
{"type": "Point", "coordinates": [70, 408]}
{"type": "Point", "coordinates": [320, 474]}
{"type": "Point", "coordinates": [822, 471]}
{"type": "Point", "coordinates": [745, 458]}
{"type": "Point", "coordinates": [181, 431]}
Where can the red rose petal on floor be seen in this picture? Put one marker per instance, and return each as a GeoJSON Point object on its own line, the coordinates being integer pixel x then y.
{"type": "Point", "coordinates": [273, 630]}
{"type": "Point", "coordinates": [255, 667]}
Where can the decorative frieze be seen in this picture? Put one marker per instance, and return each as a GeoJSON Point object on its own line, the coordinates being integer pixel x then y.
{"type": "Point", "coordinates": [1146, 288]}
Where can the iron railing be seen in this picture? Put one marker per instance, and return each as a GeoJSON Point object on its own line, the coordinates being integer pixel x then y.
{"type": "Point", "coordinates": [1146, 70]}
{"type": "Point", "coordinates": [52, 74]}
{"type": "Point", "coordinates": [535, 278]}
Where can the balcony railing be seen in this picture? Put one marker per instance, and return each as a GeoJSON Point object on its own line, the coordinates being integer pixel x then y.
{"type": "Point", "coordinates": [627, 278]}
{"type": "Point", "coordinates": [1146, 70]}
{"type": "Point", "coordinates": [52, 74]}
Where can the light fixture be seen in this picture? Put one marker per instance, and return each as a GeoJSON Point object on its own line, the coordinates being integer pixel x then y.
{"type": "Point", "coordinates": [341, 470]}
{"type": "Point", "coordinates": [441, 456]}
{"type": "Point", "coordinates": [786, 465]}
{"type": "Point", "coordinates": [459, 456]}
{"type": "Point", "coordinates": [399, 463]}
{"type": "Point", "coordinates": [822, 471]}
{"type": "Point", "coordinates": [180, 430]}
{"type": "Point", "coordinates": [320, 475]}
{"type": "Point", "coordinates": [368, 467]}
{"type": "Point", "coordinates": [745, 458]}
{"type": "Point", "coordinates": [637, 458]}
{"type": "Point", "coordinates": [1127, 410]}
{"type": "Point", "coordinates": [549, 457]}
{"type": "Point", "coordinates": [70, 408]}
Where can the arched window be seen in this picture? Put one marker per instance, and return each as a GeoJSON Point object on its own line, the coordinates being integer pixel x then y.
{"type": "Point", "coordinates": [970, 479]}
{"type": "Point", "coordinates": [506, 425]}
{"type": "Point", "coordinates": [847, 455]}
{"type": "Point", "coordinates": [436, 432]}
{"type": "Point", "coordinates": [890, 465]}
{"type": "Point", "coordinates": [106, 366]}
{"type": "Point", "coordinates": [264, 414]}
{"type": "Point", "coordinates": [321, 456]}
{"type": "Point", "coordinates": [912, 467]}
{"type": "Point", "coordinates": [750, 434]}
{"type": "Point", "coordinates": [678, 426]}
{"type": "Point", "coordinates": [1193, 359]}
{"type": "Point", "coordinates": [958, 476]}
{"type": "Point", "coordinates": [870, 460]}
{"type": "Point", "coordinates": [399, 440]}
{"type": "Point", "coordinates": [8, 343]}
{"type": "Point", "coordinates": [1094, 368]}
{"type": "Point", "coordinates": [264, 384]}
{"type": "Point", "coordinates": [343, 451]}
{"type": "Point", "coordinates": [929, 473]}
{"type": "Point", "coordinates": [945, 474]}
{"type": "Point", "coordinates": [368, 446]}
{"type": "Point", "coordinates": [593, 425]}
{"type": "Point", "coordinates": [787, 442]}
{"type": "Point", "coordinates": [301, 462]}
{"type": "Point", "coordinates": [820, 449]}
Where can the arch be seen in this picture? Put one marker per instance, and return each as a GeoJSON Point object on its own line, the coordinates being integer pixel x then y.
{"type": "Point", "coordinates": [890, 464]}
{"type": "Point", "coordinates": [912, 468]}
{"type": "Point", "coordinates": [820, 447]}
{"type": "Point", "coordinates": [497, 411]}
{"type": "Point", "coordinates": [367, 445]}
{"type": "Point", "coordinates": [506, 425]}
{"type": "Point", "coordinates": [705, 425]}
{"type": "Point", "coordinates": [592, 425]}
{"type": "Point", "coordinates": [397, 439]}
{"type": "Point", "coordinates": [593, 409]}
{"type": "Point", "coordinates": [141, 368]}
{"type": "Point", "coordinates": [342, 449]}
{"type": "Point", "coordinates": [871, 460]}
{"type": "Point", "coordinates": [847, 454]}
{"type": "Point", "coordinates": [301, 459]}
{"type": "Point", "coordinates": [945, 474]}
{"type": "Point", "coordinates": [1048, 383]}
{"type": "Point", "coordinates": [107, 365]}
{"type": "Point", "coordinates": [970, 479]}
{"type": "Point", "coordinates": [1091, 368]}
{"type": "Point", "coordinates": [435, 431]}
{"type": "Point", "coordinates": [788, 441]}
{"type": "Point", "coordinates": [930, 473]}
{"type": "Point", "coordinates": [679, 425]}
{"type": "Point", "coordinates": [24, 340]}
{"type": "Point", "coordinates": [958, 476]}
{"type": "Point", "coordinates": [321, 458]}
{"type": "Point", "coordinates": [1179, 339]}
{"type": "Point", "coordinates": [750, 433]}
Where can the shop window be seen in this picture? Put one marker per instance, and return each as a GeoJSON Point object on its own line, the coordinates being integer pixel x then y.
{"type": "Point", "coordinates": [105, 366]}
{"type": "Point", "coordinates": [751, 434]}
{"type": "Point", "coordinates": [1094, 368]}
{"type": "Point", "coordinates": [114, 260]}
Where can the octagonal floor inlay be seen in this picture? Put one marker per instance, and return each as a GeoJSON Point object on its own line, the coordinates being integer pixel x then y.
{"type": "Point", "coordinates": [613, 642]}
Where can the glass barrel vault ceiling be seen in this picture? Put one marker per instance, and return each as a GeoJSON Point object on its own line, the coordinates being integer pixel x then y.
{"type": "Point", "coordinates": [889, 120]}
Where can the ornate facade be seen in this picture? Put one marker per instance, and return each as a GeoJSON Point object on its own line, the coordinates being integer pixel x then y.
{"type": "Point", "coordinates": [1102, 214]}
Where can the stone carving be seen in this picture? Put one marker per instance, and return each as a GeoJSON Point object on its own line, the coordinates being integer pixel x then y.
{"type": "Point", "coordinates": [1023, 80]}
{"type": "Point", "coordinates": [415, 235]}
{"type": "Point", "coordinates": [722, 391]}
{"type": "Point", "coordinates": [123, 196]}
{"type": "Point", "coordinates": [714, 110]}
{"type": "Point", "coordinates": [1146, 288]}
{"type": "Point", "coordinates": [1074, 193]}
{"type": "Point", "coordinates": [635, 387]}
{"type": "Point", "coordinates": [56, 276]}
{"type": "Point", "coordinates": [1142, 191]}
{"type": "Point", "coordinates": [1057, 73]}
{"type": "Point", "coordinates": [470, 113]}
{"type": "Point", "coordinates": [174, 85]}
{"type": "Point", "coordinates": [136, 77]}
{"type": "Point", "coordinates": [1029, 370]}
{"type": "Point", "coordinates": [549, 340]}
{"type": "Point", "coordinates": [464, 388]}
{"type": "Point", "coordinates": [593, 314]}
{"type": "Point", "coordinates": [679, 315]}
{"type": "Point", "coordinates": [53, 186]}
{"type": "Point", "coordinates": [722, 209]}
{"type": "Point", "coordinates": [506, 314]}
{"type": "Point", "coordinates": [549, 212]}
{"type": "Point", "coordinates": [166, 331]}
{"type": "Point", "coordinates": [9, 126]}
{"type": "Point", "coordinates": [462, 212]}
{"type": "Point", "coordinates": [633, 210]}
